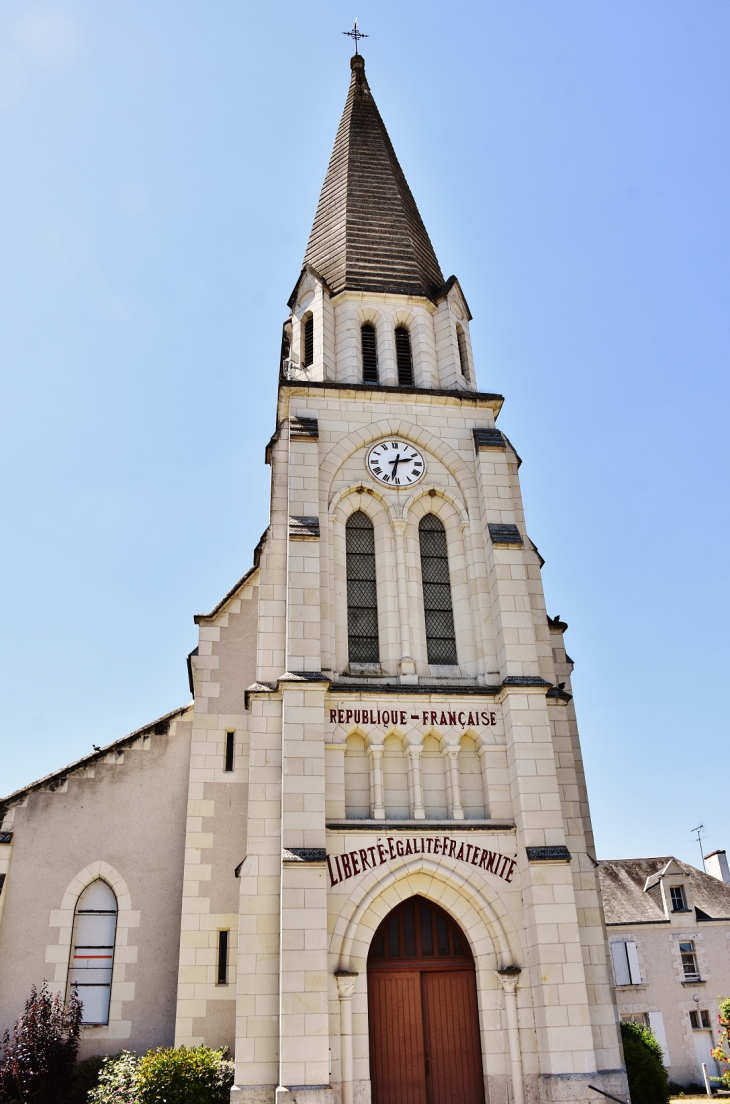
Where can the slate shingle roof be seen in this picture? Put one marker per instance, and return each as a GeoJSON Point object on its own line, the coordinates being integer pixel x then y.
{"type": "Point", "coordinates": [367, 233]}
{"type": "Point", "coordinates": [625, 902]}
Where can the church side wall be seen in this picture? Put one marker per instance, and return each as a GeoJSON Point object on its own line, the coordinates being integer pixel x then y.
{"type": "Point", "coordinates": [123, 820]}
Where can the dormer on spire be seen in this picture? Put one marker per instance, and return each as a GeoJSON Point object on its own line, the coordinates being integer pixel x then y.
{"type": "Point", "coordinates": [367, 233]}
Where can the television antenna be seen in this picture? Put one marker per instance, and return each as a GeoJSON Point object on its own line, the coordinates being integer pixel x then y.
{"type": "Point", "coordinates": [700, 838]}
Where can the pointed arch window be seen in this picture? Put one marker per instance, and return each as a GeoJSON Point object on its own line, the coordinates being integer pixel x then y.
{"type": "Point", "coordinates": [362, 604]}
{"type": "Point", "coordinates": [369, 347]}
{"type": "Point", "coordinates": [403, 356]}
{"type": "Point", "coordinates": [438, 610]}
{"type": "Point", "coordinates": [307, 340]}
{"type": "Point", "coordinates": [92, 950]}
{"type": "Point", "coordinates": [463, 355]}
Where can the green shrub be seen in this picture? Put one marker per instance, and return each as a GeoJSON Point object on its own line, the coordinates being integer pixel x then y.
{"type": "Point", "coordinates": [184, 1075]}
{"type": "Point", "coordinates": [117, 1080]}
{"type": "Point", "coordinates": [85, 1077]}
{"type": "Point", "coordinates": [648, 1079]}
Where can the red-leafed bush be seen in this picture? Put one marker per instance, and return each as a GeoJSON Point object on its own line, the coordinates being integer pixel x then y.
{"type": "Point", "coordinates": [38, 1058]}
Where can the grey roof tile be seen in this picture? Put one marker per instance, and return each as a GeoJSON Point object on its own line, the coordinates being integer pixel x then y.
{"type": "Point", "coordinates": [367, 233]}
{"type": "Point", "coordinates": [626, 902]}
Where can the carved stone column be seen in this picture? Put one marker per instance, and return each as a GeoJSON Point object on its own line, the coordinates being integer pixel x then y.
{"type": "Point", "coordinates": [345, 990]}
{"type": "Point", "coordinates": [418, 811]}
{"type": "Point", "coordinates": [377, 804]}
{"type": "Point", "coordinates": [406, 665]}
{"type": "Point", "coordinates": [451, 755]}
{"type": "Point", "coordinates": [509, 977]}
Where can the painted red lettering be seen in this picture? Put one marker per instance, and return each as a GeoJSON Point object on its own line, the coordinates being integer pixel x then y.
{"type": "Point", "coordinates": [429, 841]}
{"type": "Point", "coordinates": [452, 718]}
{"type": "Point", "coordinates": [443, 720]}
{"type": "Point", "coordinates": [409, 849]}
{"type": "Point", "coordinates": [493, 856]}
{"type": "Point", "coordinates": [333, 880]}
{"type": "Point", "coordinates": [462, 722]}
{"type": "Point", "coordinates": [333, 716]}
{"type": "Point", "coordinates": [348, 716]}
{"type": "Point", "coordinates": [403, 717]}
{"type": "Point", "coordinates": [471, 720]}
{"type": "Point", "coordinates": [372, 855]}
{"type": "Point", "coordinates": [386, 717]}
{"type": "Point", "coordinates": [485, 718]}
{"type": "Point", "coordinates": [399, 848]}
{"type": "Point", "coordinates": [460, 852]}
{"type": "Point", "coordinates": [355, 867]}
{"type": "Point", "coordinates": [357, 716]}
{"type": "Point", "coordinates": [346, 865]}
{"type": "Point", "coordinates": [510, 872]}
{"type": "Point", "coordinates": [483, 860]}
{"type": "Point", "coordinates": [425, 717]}
{"type": "Point", "coordinates": [493, 717]}
{"type": "Point", "coordinates": [390, 847]}
{"type": "Point", "coordinates": [364, 859]}
{"type": "Point", "coordinates": [340, 716]}
{"type": "Point", "coordinates": [433, 718]}
{"type": "Point", "coordinates": [452, 848]}
{"type": "Point", "coordinates": [381, 853]}
{"type": "Point", "coordinates": [474, 858]}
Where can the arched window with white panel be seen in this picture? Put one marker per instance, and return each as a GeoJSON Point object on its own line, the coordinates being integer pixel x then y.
{"type": "Point", "coordinates": [92, 950]}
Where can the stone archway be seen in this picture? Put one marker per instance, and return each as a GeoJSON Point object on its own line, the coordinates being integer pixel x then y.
{"type": "Point", "coordinates": [422, 1010]}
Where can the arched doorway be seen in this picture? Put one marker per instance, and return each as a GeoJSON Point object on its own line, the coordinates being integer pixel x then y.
{"type": "Point", "coordinates": [422, 1007]}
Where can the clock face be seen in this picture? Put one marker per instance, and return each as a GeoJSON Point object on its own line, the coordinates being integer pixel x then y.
{"type": "Point", "coordinates": [395, 463]}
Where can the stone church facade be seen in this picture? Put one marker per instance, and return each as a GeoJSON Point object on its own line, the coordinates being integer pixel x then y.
{"type": "Point", "coordinates": [362, 857]}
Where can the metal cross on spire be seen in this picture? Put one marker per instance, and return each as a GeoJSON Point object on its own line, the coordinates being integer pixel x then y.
{"type": "Point", "coordinates": [354, 33]}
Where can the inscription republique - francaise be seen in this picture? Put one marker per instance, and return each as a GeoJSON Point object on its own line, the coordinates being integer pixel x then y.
{"type": "Point", "coordinates": [396, 715]}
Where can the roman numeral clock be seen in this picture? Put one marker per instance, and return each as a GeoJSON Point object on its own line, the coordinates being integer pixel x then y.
{"type": "Point", "coordinates": [395, 463]}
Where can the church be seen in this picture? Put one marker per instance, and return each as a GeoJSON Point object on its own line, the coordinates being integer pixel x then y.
{"type": "Point", "coordinates": [362, 857]}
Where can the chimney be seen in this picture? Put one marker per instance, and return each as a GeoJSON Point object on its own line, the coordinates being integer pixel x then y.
{"type": "Point", "coordinates": [716, 865]}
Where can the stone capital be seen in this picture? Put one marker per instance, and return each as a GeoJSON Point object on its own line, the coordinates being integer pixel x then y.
{"type": "Point", "coordinates": [345, 984]}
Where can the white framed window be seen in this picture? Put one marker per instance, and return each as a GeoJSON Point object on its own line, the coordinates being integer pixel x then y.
{"type": "Point", "coordinates": [699, 1019]}
{"type": "Point", "coordinates": [92, 951]}
{"type": "Point", "coordinates": [679, 901]}
{"type": "Point", "coordinates": [689, 961]}
{"type": "Point", "coordinates": [626, 963]}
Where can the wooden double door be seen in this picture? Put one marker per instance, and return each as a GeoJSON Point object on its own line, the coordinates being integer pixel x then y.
{"type": "Point", "coordinates": [422, 1005]}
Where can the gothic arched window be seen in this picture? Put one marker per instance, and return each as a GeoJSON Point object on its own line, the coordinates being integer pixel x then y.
{"type": "Point", "coordinates": [362, 604]}
{"type": "Point", "coordinates": [369, 353]}
{"type": "Point", "coordinates": [403, 356]}
{"type": "Point", "coordinates": [439, 616]}
{"type": "Point", "coordinates": [92, 950]}
{"type": "Point", "coordinates": [307, 340]}
{"type": "Point", "coordinates": [463, 355]}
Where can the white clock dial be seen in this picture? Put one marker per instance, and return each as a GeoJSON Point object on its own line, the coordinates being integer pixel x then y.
{"type": "Point", "coordinates": [395, 463]}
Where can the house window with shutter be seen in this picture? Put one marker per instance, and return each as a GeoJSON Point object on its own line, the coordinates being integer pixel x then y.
{"type": "Point", "coordinates": [463, 355]}
{"type": "Point", "coordinates": [626, 963]}
{"type": "Point", "coordinates": [689, 961]}
{"type": "Point", "coordinates": [404, 357]}
{"type": "Point", "coordinates": [362, 604]}
{"type": "Point", "coordinates": [92, 951]}
{"type": "Point", "coordinates": [369, 348]}
{"type": "Point", "coordinates": [307, 340]}
{"type": "Point", "coordinates": [438, 611]}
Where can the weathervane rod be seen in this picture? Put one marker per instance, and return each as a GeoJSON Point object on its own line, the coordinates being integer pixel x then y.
{"type": "Point", "coordinates": [357, 35]}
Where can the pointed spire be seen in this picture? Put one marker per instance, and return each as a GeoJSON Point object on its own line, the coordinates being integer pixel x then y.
{"type": "Point", "coordinates": [367, 233]}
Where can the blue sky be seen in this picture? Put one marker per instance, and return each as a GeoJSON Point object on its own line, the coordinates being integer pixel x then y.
{"type": "Point", "coordinates": [159, 170]}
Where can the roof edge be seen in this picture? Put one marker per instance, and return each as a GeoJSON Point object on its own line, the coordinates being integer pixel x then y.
{"type": "Point", "coordinates": [13, 798]}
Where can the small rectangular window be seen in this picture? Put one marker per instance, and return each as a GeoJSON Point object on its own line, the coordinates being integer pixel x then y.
{"type": "Point", "coordinates": [689, 961]}
{"type": "Point", "coordinates": [679, 903]}
{"type": "Point", "coordinates": [705, 1019]}
{"type": "Point", "coordinates": [308, 343]}
{"type": "Point", "coordinates": [230, 738]}
{"type": "Point", "coordinates": [694, 1019]}
{"type": "Point", "coordinates": [463, 356]}
{"type": "Point", "coordinates": [222, 958]}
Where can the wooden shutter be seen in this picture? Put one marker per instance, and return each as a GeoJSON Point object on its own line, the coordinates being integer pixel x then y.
{"type": "Point", "coordinates": [620, 964]}
{"type": "Point", "coordinates": [633, 960]}
{"type": "Point", "coordinates": [369, 353]}
{"type": "Point", "coordinates": [656, 1023]}
{"type": "Point", "coordinates": [403, 356]}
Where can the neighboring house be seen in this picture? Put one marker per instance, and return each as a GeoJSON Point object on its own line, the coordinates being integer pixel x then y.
{"type": "Point", "coordinates": [669, 933]}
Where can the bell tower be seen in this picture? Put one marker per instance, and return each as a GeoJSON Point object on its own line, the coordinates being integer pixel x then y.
{"type": "Point", "coordinates": [410, 739]}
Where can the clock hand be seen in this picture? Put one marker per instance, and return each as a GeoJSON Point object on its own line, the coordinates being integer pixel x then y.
{"type": "Point", "coordinates": [394, 464]}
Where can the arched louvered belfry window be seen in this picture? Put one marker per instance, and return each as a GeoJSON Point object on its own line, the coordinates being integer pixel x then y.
{"type": "Point", "coordinates": [463, 355]}
{"type": "Point", "coordinates": [362, 603]}
{"type": "Point", "coordinates": [369, 353]}
{"type": "Point", "coordinates": [438, 610]}
{"type": "Point", "coordinates": [307, 340]}
{"type": "Point", "coordinates": [92, 951]}
{"type": "Point", "coordinates": [403, 356]}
